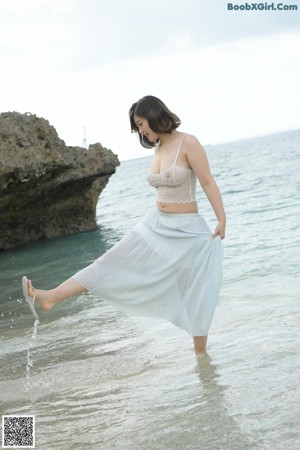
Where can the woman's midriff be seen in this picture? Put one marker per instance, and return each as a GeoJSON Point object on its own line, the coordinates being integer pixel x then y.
{"type": "Point", "coordinates": [179, 208]}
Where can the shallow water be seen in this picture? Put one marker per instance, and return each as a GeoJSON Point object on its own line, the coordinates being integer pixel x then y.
{"type": "Point", "coordinates": [100, 379]}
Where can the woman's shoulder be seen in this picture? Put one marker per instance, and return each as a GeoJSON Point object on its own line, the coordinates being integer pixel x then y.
{"type": "Point", "coordinates": [190, 141]}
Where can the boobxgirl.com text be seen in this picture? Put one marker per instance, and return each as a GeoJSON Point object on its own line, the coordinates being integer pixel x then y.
{"type": "Point", "coordinates": [262, 7]}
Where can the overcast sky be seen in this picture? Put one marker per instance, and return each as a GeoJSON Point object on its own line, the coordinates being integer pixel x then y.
{"type": "Point", "coordinates": [82, 63]}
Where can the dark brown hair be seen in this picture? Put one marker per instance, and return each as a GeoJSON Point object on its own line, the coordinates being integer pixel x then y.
{"type": "Point", "coordinates": [160, 118]}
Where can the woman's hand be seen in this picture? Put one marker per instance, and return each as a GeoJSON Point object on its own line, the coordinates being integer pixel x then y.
{"type": "Point", "coordinates": [220, 230]}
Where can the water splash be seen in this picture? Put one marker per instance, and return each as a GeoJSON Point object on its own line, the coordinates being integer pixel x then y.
{"type": "Point", "coordinates": [29, 364]}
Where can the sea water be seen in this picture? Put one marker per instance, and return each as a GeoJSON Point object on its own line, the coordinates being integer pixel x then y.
{"type": "Point", "coordinates": [97, 378]}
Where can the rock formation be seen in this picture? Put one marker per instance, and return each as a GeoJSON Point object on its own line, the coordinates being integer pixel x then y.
{"type": "Point", "coordinates": [46, 188]}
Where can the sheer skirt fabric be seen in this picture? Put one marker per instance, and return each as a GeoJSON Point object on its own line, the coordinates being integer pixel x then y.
{"type": "Point", "coordinates": [167, 267]}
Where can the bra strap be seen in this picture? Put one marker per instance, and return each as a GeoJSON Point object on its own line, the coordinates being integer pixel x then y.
{"type": "Point", "coordinates": [178, 150]}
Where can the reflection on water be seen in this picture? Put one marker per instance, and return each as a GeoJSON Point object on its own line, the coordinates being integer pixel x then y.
{"type": "Point", "coordinates": [220, 430]}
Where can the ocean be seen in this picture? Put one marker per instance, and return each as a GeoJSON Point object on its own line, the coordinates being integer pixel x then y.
{"type": "Point", "coordinates": [96, 378]}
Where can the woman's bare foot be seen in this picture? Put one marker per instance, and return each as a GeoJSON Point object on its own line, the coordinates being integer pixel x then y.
{"type": "Point", "coordinates": [46, 299]}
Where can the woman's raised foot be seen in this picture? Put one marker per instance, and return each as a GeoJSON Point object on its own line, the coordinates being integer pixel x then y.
{"type": "Point", "coordinates": [44, 298]}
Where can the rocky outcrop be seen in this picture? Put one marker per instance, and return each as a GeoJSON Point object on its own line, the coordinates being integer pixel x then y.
{"type": "Point", "coordinates": [46, 188]}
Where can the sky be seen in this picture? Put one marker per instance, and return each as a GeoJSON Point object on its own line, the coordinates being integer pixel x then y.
{"type": "Point", "coordinates": [228, 74]}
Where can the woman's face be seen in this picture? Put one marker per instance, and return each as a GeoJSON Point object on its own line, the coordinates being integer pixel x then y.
{"type": "Point", "coordinates": [144, 129]}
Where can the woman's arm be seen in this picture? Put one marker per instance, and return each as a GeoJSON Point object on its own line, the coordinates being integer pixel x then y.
{"type": "Point", "coordinates": [198, 161]}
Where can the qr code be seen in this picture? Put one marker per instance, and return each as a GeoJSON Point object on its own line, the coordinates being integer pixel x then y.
{"type": "Point", "coordinates": [18, 431]}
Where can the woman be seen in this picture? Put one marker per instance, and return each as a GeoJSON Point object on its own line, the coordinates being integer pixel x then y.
{"type": "Point", "coordinates": [169, 266]}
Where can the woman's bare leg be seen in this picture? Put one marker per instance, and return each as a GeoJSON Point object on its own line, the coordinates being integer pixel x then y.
{"type": "Point", "coordinates": [48, 299]}
{"type": "Point", "coordinates": [200, 344]}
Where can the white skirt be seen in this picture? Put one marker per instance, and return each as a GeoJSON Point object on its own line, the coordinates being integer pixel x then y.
{"type": "Point", "coordinates": [168, 267]}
